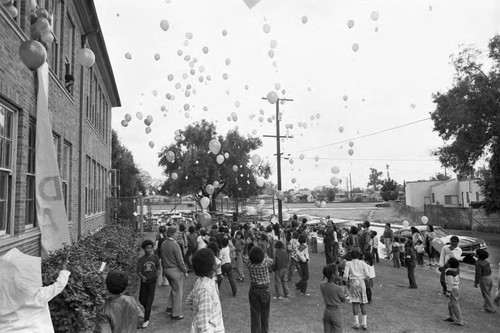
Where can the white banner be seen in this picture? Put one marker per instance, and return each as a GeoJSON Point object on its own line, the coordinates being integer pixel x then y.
{"type": "Point", "coordinates": [50, 209]}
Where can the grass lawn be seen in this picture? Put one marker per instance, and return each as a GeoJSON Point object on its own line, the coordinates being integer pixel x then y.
{"type": "Point", "coordinates": [395, 308]}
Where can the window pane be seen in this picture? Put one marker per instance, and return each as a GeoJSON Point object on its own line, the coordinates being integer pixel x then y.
{"type": "Point", "coordinates": [2, 121]}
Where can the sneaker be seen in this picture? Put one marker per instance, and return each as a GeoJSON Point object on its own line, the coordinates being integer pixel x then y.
{"type": "Point", "coordinates": [304, 294]}
{"type": "Point", "coordinates": [356, 327]}
{"type": "Point", "coordinates": [448, 319]}
{"type": "Point", "coordinates": [145, 324]}
{"type": "Point", "coordinates": [277, 297]}
{"type": "Point", "coordinates": [177, 317]}
{"type": "Point", "coordinates": [364, 327]}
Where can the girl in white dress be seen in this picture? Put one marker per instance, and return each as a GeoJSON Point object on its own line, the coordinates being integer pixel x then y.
{"type": "Point", "coordinates": [355, 273]}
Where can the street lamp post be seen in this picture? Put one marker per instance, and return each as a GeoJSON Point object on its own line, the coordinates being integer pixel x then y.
{"type": "Point", "coordinates": [278, 152]}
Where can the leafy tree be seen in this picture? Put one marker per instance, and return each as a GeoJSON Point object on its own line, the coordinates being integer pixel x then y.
{"type": "Point", "coordinates": [467, 118]}
{"type": "Point", "coordinates": [374, 179]}
{"type": "Point", "coordinates": [196, 167]}
{"type": "Point", "coordinates": [389, 190]}
{"type": "Point", "coordinates": [131, 183]}
{"type": "Point", "coordinates": [440, 177]}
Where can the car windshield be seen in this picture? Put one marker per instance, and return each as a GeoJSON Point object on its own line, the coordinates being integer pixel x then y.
{"type": "Point", "coordinates": [440, 232]}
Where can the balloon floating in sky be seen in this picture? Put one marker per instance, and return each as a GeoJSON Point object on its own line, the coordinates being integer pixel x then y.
{"type": "Point", "coordinates": [128, 56]}
{"type": "Point", "coordinates": [139, 115]}
{"type": "Point", "coordinates": [291, 161]}
{"type": "Point", "coordinates": [235, 168]}
{"type": "Point", "coordinates": [318, 115]}
{"type": "Point", "coordinates": [316, 158]}
{"type": "Point", "coordinates": [273, 44]}
{"type": "Point", "coordinates": [148, 130]}
{"type": "Point", "coordinates": [170, 156]}
{"type": "Point", "coordinates": [227, 61]}
{"type": "Point", "coordinates": [351, 151]}
{"type": "Point", "coordinates": [341, 129]}
{"type": "Point", "coordinates": [179, 52]}
{"type": "Point", "coordinates": [351, 143]}
{"type": "Point", "coordinates": [174, 176]}
{"type": "Point", "coordinates": [374, 16]}
{"type": "Point", "coordinates": [151, 144]}
{"type": "Point", "coordinates": [272, 97]}
{"type": "Point", "coordinates": [164, 25]}
{"type": "Point", "coordinates": [294, 180]}
{"type": "Point", "coordinates": [266, 28]}
{"type": "Point", "coordinates": [355, 47]}
{"type": "Point", "coordinates": [350, 24]}
{"type": "Point", "coordinates": [261, 119]}
{"type": "Point", "coordinates": [128, 117]}
{"type": "Point", "coordinates": [210, 189]}
{"type": "Point", "coordinates": [225, 76]}
{"type": "Point", "coordinates": [413, 106]}
{"type": "Point", "coordinates": [301, 156]}
{"type": "Point", "coordinates": [345, 98]}
{"type": "Point", "coordinates": [334, 181]}
{"type": "Point", "coordinates": [170, 77]}
{"type": "Point", "coordinates": [189, 35]}
{"type": "Point", "coordinates": [124, 123]}
{"type": "Point", "coordinates": [214, 146]}
{"type": "Point", "coordinates": [270, 53]}
{"type": "Point", "coordinates": [304, 19]}
{"type": "Point", "coordinates": [335, 170]}
{"type": "Point", "coordinates": [219, 159]}
{"type": "Point", "coordinates": [157, 57]}
{"type": "Point", "coordinates": [205, 49]}
{"type": "Point", "coordinates": [224, 33]}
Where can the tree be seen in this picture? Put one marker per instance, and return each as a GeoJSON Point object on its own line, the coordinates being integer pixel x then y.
{"type": "Point", "coordinates": [389, 190]}
{"type": "Point", "coordinates": [374, 179]}
{"type": "Point", "coordinates": [467, 118]}
{"type": "Point", "coordinates": [196, 167]}
{"type": "Point", "coordinates": [121, 159]}
{"type": "Point", "coordinates": [440, 177]}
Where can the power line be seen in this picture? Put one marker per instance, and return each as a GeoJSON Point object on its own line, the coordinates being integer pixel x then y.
{"type": "Point", "coordinates": [367, 135]}
{"type": "Point", "coordinates": [372, 159]}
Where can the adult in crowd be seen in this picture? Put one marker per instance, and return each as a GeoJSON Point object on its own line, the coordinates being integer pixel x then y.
{"type": "Point", "coordinates": [388, 239]}
{"type": "Point", "coordinates": [365, 238]}
{"type": "Point", "coordinates": [292, 252]}
{"type": "Point", "coordinates": [429, 237]}
{"type": "Point", "coordinates": [192, 245]}
{"type": "Point", "coordinates": [174, 270]}
{"type": "Point", "coordinates": [204, 300]}
{"type": "Point", "coordinates": [447, 252]}
{"type": "Point", "coordinates": [416, 235]}
{"type": "Point", "coordinates": [328, 239]}
{"type": "Point", "coordinates": [226, 266]}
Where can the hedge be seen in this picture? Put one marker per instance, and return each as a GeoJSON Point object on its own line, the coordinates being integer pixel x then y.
{"type": "Point", "coordinates": [75, 309]}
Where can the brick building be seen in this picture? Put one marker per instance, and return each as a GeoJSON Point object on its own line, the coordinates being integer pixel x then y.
{"type": "Point", "coordinates": [80, 102]}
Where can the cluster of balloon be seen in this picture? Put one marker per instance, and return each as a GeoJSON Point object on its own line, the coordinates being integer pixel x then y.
{"type": "Point", "coordinates": [214, 146]}
{"type": "Point", "coordinates": [33, 52]}
{"type": "Point", "coordinates": [205, 219]}
{"type": "Point", "coordinates": [424, 219]}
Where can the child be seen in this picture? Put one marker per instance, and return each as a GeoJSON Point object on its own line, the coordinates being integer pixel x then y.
{"type": "Point", "coordinates": [239, 245]}
{"type": "Point", "coordinates": [483, 279]}
{"type": "Point", "coordinates": [218, 264]}
{"type": "Point", "coordinates": [226, 266]}
{"type": "Point", "coordinates": [259, 295]}
{"type": "Point", "coordinates": [374, 244]}
{"type": "Point", "coordinates": [452, 278]}
{"type": "Point", "coordinates": [120, 312]}
{"type": "Point", "coordinates": [369, 259]}
{"type": "Point", "coordinates": [402, 251]}
{"type": "Point", "coordinates": [280, 268]}
{"type": "Point", "coordinates": [420, 248]}
{"type": "Point", "coordinates": [303, 259]}
{"type": "Point", "coordinates": [395, 252]}
{"type": "Point", "coordinates": [147, 269]}
{"type": "Point", "coordinates": [333, 295]}
{"type": "Point", "coordinates": [355, 272]}
{"type": "Point", "coordinates": [204, 300]}
{"type": "Point", "coordinates": [410, 263]}
{"type": "Point", "coordinates": [313, 235]}
{"type": "Point", "coordinates": [292, 251]}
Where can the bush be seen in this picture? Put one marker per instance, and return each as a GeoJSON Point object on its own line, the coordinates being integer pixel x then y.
{"type": "Point", "coordinates": [75, 309]}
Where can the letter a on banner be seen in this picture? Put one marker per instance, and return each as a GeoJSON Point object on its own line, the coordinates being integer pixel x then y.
{"type": "Point", "coordinates": [50, 209]}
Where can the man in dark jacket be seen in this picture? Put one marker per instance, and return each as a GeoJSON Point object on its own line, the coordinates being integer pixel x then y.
{"type": "Point", "coordinates": [328, 241]}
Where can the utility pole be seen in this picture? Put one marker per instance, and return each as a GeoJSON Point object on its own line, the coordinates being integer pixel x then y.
{"type": "Point", "coordinates": [278, 151]}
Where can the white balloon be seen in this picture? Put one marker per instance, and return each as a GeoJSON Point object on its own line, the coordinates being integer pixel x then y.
{"type": "Point", "coordinates": [425, 219]}
{"type": "Point", "coordinates": [179, 52]}
{"type": "Point", "coordinates": [224, 33]}
{"type": "Point", "coordinates": [406, 224]}
{"type": "Point", "coordinates": [128, 117]}
{"type": "Point", "coordinates": [266, 28]}
{"type": "Point", "coordinates": [355, 47]}
{"type": "Point", "coordinates": [334, 181]}
{"type": "Point", "coordinates": [205, 49]}
{"type": "Point", "coordinates": [261, 119]}
{"type": "Point", "coordinates": [256, 159]}
{"type": "Point", "coordinates": [341, 129]}
{"type": "Point", "coordinates": [228, 61]}
{"type": "Point", "coordinates": [294, 180]}
{"type": "Point", "coordinates": [350, 24]}
{"type": "Point", "coordinates": [170, 156]}
{"type": "Point", "coordinates": [374, 16]}
{"type": "Point", "coordinates": [174, 176]}
{"type": "Point", "coordinates": [157, 57]}
{"type": "Point", "coordinates": [304, 19]}
{"type": "Point", "coordinates": [151, 144]}
{"type": "Point", "coordinates": [235, 168]}
{"type": "Point", "coordinates": [214, 146]}
{"type": "Point", "coordinates": [335, 170]}
{"type": "Point", "coordinates": [351, 151]}
{"type": "Point", "coordinates": [226, 155]}
{"type": "Point", "coordinates": [210, 189]}
{"type": "Point", "coordinates": [273, 44]}
{"type": "Point", "coordinates": [189, 35]}
{"type": "Point", "coordinates": [170, 77]}
{"type": "Point", "coordinates": [323, 204]}
{"type": "Point", "coordinates": [301, 156]}
{"type": "Point", "coordinates": [270, 53]}
{"type": "Point", "coordinates": [124, 123]}
{"type": "Point", "coordinates": [204, 202]}
{"type": "Point", "coordinates": [216, 184]}
{"type": "Point", "coordinates": [139, 115]}
{"type": "Point", "coordinates": [272, 97]}
{"type": "Point", "coordinates": [316, 158]}
{"type": "Point", "coordinates": [225, 76]}
{"type": "Point", "coordinates": [164, 25]}
{"type": "Point", "coordinates": [260, 183]}
{"type": "Point", "coordinates": [220, 159]}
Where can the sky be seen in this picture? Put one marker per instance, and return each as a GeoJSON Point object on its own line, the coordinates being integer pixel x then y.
{"type": "Point", "coordinates": [369, 85]}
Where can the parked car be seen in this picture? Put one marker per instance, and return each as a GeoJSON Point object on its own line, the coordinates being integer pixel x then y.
{"type": "Point", "coordinates": [382, 204]}
{"type": "Point", "coordinates": [469, 245]}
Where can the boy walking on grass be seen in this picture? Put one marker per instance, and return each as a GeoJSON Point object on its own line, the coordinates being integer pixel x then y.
{"type": "Point", "coordinates": [452, 278]}
{"type": "Point", "coordinates": [410, 262]}
{"type": "Point", "coordinates": [147, 269]}
{"type": "Point", "coordinates": [259, 295]}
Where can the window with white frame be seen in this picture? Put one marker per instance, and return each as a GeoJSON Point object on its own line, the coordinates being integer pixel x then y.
{"type": "Point", "coordinates": [7, 145]}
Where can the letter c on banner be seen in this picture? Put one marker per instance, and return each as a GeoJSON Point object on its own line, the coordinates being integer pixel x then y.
{"type": "Point", "coordinates": [54, 192]}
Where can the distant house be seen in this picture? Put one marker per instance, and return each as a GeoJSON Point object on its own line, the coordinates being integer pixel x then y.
{"type": "Point", "coordinates": [302, 196]}
{"type": "Point", "coordinates": [449, 193]}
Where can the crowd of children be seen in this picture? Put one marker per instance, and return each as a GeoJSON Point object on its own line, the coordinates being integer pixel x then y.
{"type": "Point", "coordinates": [222, 252]}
